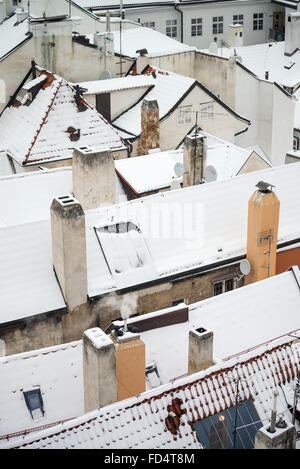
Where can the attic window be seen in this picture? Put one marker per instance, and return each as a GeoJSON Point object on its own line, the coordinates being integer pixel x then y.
{"type": "Point", "coordinates": [216, 432]}
{"type": "Point", "coordinates": [34, 402]}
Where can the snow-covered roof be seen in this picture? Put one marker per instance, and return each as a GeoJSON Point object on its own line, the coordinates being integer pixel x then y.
{"type": "Point", "coordinates": [156, 171]}
{"type": "Point", "coordinates": [168, 90]}
{"type": "Point", "coordinates": [41, 131]}
{"type": "Point", "coordinates": [142, 421]}
{"type": "Point", "coordinates": [267, 57]}
{"type": "Point", "coordinates": [297, 110]}
{"type": "Point", "coordinates": [56, 371]}
{"type": "Point", "coordinates": [189, 228]}
{"type": "Point", "coordinates": [30, 194]}
{"type": "Point", "coordinates": [156, 43]}
{"type": "Point", "coordinates": [12, 35]}
{"type": "Point", "coordinates": [116, 84]}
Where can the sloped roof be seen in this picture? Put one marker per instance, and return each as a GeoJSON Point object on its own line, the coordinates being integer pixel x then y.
{"type": "Point", "coordinates": [12, 35]}
{"type": "Point", "coordinates": [143, 421]}
{"type": "Point", "coordinates": [156, 171]}
{"type": "Point", "coordinates": [169, 90]}
{"type": "Point", "coordinates": [116, 84]}
{"type": "Point", "coordinates": [40, 131]}
{"type": "Point", "coordinates": [191, 229]}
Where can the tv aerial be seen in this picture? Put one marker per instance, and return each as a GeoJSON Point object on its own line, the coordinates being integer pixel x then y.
{"type": "Point", "coordinates": [210, 174]}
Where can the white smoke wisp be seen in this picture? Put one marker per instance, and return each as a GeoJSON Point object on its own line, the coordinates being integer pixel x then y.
{"type": "Point", "coordinates": [127, 305]}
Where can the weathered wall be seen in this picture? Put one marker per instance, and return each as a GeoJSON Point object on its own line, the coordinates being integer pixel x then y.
{"type": "Point", "coordinates": [254, 163]}
{"type": "Point", "coordinates": [182, 63]}
{"type": "Point", "coordinates": [32, 333]}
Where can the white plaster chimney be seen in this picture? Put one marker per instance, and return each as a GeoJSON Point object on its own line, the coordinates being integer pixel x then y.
{"type": "Point", "coordinates": [93, 172]}
{"type": "Point", "coordinates": [194, 159]}
{"type": "Point", "coordinates": [69, 249]}
{"type": "Point", "coordinates": [292, 32]}
{"type": "Point", "coordinates": [200, 349]}
{"type": "Point", "coordinates": [99, 370]}
{"type": "Point", "coordinates": [284, 437]}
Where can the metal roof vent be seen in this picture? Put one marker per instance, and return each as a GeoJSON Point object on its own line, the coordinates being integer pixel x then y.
{"type": "Point", "coordinates": [142, 52]}
{"type": "Point", "coordinates": [264, 187]}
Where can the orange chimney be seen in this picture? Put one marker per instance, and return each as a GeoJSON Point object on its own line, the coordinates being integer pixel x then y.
{"type": "Point", "coordinates": [130, 363]}
{"type": "Point", "coordinates": [263, 219]}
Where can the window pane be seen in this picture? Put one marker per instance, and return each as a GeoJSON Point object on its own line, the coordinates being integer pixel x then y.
{"type": "Point", "coordinates": [218, 288]}
{"type": "Point", "coordinates": [229, 285]}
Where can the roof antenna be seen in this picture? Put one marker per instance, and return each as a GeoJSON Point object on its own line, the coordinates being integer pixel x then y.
{"type": "Point", "coordinates": [271, 429]}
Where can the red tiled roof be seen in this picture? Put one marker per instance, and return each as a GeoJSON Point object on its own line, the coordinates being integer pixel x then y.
{"type": "Point", "coordinates": [162, 418]}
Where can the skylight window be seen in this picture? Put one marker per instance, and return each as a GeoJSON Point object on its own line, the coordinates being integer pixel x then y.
{"type": "Point", "coordinates": [34, 402]}
{"type": "Point", "coordinates": [216, 432]}
{"type": "Point", "coordinates": [126, 252]}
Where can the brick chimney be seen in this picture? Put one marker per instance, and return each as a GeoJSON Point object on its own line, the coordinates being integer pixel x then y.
{"type": "Point", "coordinates": [194, 159]}
{"type": "Point", "coordinates": [99, 369]}
{"type": "Point", "coordinates": [69, 249]}
{"type": "Point", "coordinates": [263, 220]}
{"type": "Point", "coordinates": [149, 138]}
{"type": "Point", "coordinates": [282, 438]}
{"type": "Point", "coordinates": [130, 363]}
{"type": "Point", "coordinates": [93, 177]}
{"type": "Point", "coordinates": [200, 349]}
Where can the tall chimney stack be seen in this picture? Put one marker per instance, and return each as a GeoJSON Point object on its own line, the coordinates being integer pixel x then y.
{"type": "Point", "coordinates": [69, 249]}
{"type": "Point", "coordinates": [284, 437]}
{"type": "Point", "coordinates": [200, 349]}
{"type": "Point", "coordinates": [99, 370]}
{"type": "Point", "coordinates": [94, 177]}
{"type": "Point", "coordinates": [263, 220]}
{"type": "Point", "coordinates": [194, 159]}
{"type": "Point", "coordinates": [130, 363]}
{"type": "Point", "coordinates": [149, 137]}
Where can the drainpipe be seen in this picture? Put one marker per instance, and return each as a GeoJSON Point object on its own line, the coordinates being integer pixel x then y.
{"type": "Point", "coordinates": [181, 22]}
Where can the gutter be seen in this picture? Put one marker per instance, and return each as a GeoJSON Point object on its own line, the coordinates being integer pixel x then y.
{"type": "Point", "coordinates": [181, 22]}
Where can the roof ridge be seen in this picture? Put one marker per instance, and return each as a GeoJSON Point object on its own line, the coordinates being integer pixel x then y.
{"type": "Point", "coordinates": [60, 82]}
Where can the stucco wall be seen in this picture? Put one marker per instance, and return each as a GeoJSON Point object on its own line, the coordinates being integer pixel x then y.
{"type": "Point", "coordinates": [254, 163]}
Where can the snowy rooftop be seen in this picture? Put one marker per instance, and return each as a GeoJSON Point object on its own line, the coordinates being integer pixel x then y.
{"type": "Point", "coordinates": [235, 334]}
{"type": "Point", "coordinates": [168, 89]}
{"type": "Point", "coordinates": [268, 57]}
{"type": "Point", "coordinates": [156, 170]}
{"type": "Point", "coordinates": [142, 421]}
{"type": "Point", "coordinates": [208, 225]}
{"type": "Point", "coordinates": [41, 130]}
{"type": "Point", "coordinates": [156, 43]}
{"type": "Point", "coordinates": [297, 110]}
{"type": "Point", "coordinates": [12, 34]}
{"type": "Point", "coordinates": [116, 84]}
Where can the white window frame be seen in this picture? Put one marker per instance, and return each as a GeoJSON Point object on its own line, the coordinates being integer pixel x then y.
{"type": "Point", "coordinates": [238, 19]}
{"type": "Point", "coordinates": [258, 21]}
{"type": "Point", "coordinates": [218, 24]}
{"type": "Point", "coordinates": [207, 110]}
{"type": "Point", "coordinates": [171, 28]}
{"type": "Point", "coordinates": [184, 115]}
{"type": "Point", "coordinates": [149, 24]}
{"type": "Point", "coordinates": [196, 27]}
{"type": "Point", "coordinates": [234, 280]}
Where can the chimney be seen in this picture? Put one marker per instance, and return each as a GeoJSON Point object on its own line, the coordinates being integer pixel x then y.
{"type": "Point", "coordinates": [292, 33]}
{"type": "Point", "coordinates": [235, 36]}
{"type": "Point", "coordinates": [149, 137]}
{"type": "Point", "coordinates": [263, 220]}
{"type": "Point", "coordinates": [69, 249]}
{"type": "Point", "coordinates": [200, 349]}
{"type": "Point", "coordinates": [284, 437]}
{"type": "Point", "coordinates": [108, 22]}
{"type": "Point", "coordinates": [99, 370]}
{"type": "Point", "coordinates": [194, 159]}
{"type": "Point", "coordinates": [130, 362]}
{"type": "Point", "coordinates": [93, 177]}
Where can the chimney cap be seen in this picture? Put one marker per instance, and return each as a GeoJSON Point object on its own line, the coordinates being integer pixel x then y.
{"type": "Point", "coordinates": [264, 187]}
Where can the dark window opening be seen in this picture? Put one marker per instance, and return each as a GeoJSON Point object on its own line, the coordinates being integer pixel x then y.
{"type": "Point", "coordinates": [34, 402]}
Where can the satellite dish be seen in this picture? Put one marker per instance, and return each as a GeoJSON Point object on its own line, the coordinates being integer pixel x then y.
{"type": "Point", "coordinates": [210, 174]}
{"type": "Point", "coordinates": [175, 184]}
{"type": "Point", "coordinates": [213, 48]}
{"type": "Point", "coordinates": [105, 75]}
{"type": "Point", "coordinates": [245, 267]}
{"type": "Point", "coordinates": [178, 169]}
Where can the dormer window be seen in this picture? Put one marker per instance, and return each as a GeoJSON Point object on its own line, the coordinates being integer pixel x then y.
{"type": "Point", "coordinates": [34, 402]}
